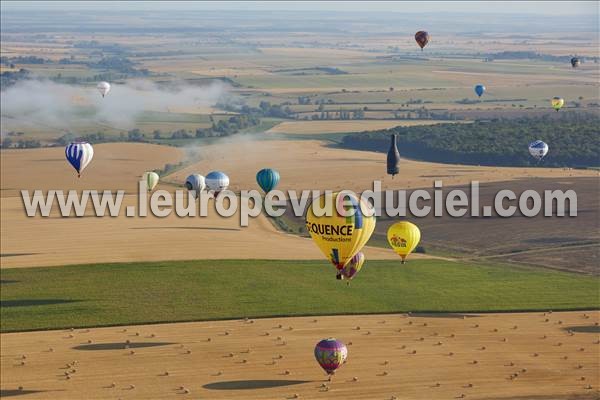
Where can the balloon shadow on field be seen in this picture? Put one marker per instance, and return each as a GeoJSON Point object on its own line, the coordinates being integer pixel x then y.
{"type": "Point", "coordinates": [207, 228]}
{"type": "Point", "coordinates": [36, 302]}
{"type": "Point", "coordinates": [251, 384]}
{"type": "Point", "coordinates": [2, 255]}
{"type": "Point", "coordinates": [120, 345]}
{"type": "Point", "coordinates": [17, 392]}
{"type": "Point", "coordinates": [583, 328]}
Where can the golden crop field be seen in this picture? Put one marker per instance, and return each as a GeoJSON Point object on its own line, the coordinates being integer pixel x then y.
{"type": "Point", "coordinates": [473, 356]}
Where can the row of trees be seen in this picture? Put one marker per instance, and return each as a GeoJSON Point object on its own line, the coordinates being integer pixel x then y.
{"type": "Point", "coordinates": [573, 141]}
{"type": "Point", "coordinates": [221, 128]}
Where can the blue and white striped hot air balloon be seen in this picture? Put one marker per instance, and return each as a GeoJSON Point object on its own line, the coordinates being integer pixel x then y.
{"type": "Point", "coordinates": [79, 155]}
{"type": "Point", "coordinates": [216, 181]}
{"type": "Point", "coordinates": [538, 149]}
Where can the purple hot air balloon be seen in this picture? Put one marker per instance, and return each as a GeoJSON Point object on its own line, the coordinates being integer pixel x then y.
{"type": "Point", "coordinates": [352, 268]}
{"type": "Point", "coordinates": [330, 354]}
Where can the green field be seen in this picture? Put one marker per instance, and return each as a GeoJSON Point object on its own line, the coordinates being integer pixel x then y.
{"type": "Point", "coordinates": [135, 293]}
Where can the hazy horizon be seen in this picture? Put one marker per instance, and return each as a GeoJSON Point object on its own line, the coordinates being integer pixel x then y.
{"type": "Point", "coordinates": [549, 8]}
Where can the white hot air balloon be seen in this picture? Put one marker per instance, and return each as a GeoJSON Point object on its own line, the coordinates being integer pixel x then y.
{"type": "Point", "coordinates": [538, 149]}
{"type": "Point", "coordinates": [103, 88]}
{"type": "Point", "coordinates": [216, 181]}
{"type": "Point", "coordinates": [195, 182]}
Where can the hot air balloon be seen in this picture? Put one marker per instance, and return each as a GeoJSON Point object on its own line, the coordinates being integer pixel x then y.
{"type": "Point", "coordinates": [103, 88]}
{"type": "Point", "coordinates": [216, 181]}
{"type": "Point", "coordinates": [575, 62]}
{"type": "Point", "coordinates": [151, 179]}
{"type": "Point", "coordinates": [196, 183]}
{"type": "Point", "coordinates": [393, 158]}
{"type": "Point", "coordinates": [331, 354]}
{"type": "Point", "coordinates": [479, 89]}
{"type": "Point", "coordinates": [403, 237]}
{"type": "Point", "coordinates": [538, 149]}
{"type": "Point", "coordinates": [355, 264]}
{"type": "Point", "coordinates": [422, 38]}
{"type": "Point", "coordinates": [557, 103]}
{"type": "Point", "coordinates": [267, 179]}
{"type": "Point", "coordinates": [340, 237]}
{"type": "Point", "coordinates": [79, 155]}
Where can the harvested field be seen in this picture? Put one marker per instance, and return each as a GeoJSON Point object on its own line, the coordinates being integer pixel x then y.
{"type": "Point", "coordinates": [421, 356]}
{"type": "Point", "coordinates": [115, 166]}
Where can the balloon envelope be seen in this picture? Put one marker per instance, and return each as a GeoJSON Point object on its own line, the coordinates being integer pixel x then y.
{"type": "Point", "coordinates": [217, 181]}
{"type": "Point", "coordinates": [422, 38]}
{"type": "Point", "coordinates": [103, 88]}
{"type": "Point", "coordinates": [403, 237]}
{"type": "Point", "coordinates": [151, 179]}
{"type": "Point", "coordinates": [557, 103]}
{"type": "Point", "coordinates": [538, 149]}
{"type": "Point", "coordinates": [195, 182]}
{"type": "Point", "coordinates": [267, 179]}
{"type": "Point", "coordinates": [355, 264]}
{"type": "Point", "coordinates": [479, 89]}
{"type": "Point", "coordinates": [331, 354]}
{"type": "Point", "coordinates": [575, 62]}
{"type": "Point", "coordinates": [339, 236]}
{"type": "Point", "coordinates": [393, 157]}
{"type": "Point", "coordinates": [79, 155]}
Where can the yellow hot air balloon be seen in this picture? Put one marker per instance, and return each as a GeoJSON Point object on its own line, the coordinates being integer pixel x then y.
{"type": "Point", "coordinates": [404, 237]}
{"type": "Point", "coordinates": [151, 179]}
{"type": "Point", "coordinates": [557, 103]}
{"type": "Point", "coordinates": [340, 224]}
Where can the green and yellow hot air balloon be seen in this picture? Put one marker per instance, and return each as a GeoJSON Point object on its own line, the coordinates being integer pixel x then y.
{"type": "Point", "coordinates": [340, 224]}
{"type": "Point", "coordinates": [404, 237]}
{"type": "Point", "coordinates": [151, 179]}
{"type": "Point", "coordinates": [557, 103]}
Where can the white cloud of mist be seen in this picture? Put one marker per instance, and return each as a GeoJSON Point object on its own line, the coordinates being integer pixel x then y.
{"type": "Point", "coordinates": [64, 107]}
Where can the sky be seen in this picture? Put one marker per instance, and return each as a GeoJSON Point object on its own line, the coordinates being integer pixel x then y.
{"type": "Point", "coordinates": [555, 8]}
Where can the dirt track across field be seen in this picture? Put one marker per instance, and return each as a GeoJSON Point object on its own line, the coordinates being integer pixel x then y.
{"type": "Point", "coordinates": [439, 356]}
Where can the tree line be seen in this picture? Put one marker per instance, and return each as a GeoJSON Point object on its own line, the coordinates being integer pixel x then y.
{"type": "Point", "coordinates": [573, 141]}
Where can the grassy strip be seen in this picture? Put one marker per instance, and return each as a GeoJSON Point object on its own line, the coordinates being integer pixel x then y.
{"type": "Point", "coordinates": [135, 293]}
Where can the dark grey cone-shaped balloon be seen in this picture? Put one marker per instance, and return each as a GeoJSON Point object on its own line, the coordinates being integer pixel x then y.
{"type": "Point", "coordinates": [393, 158]}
